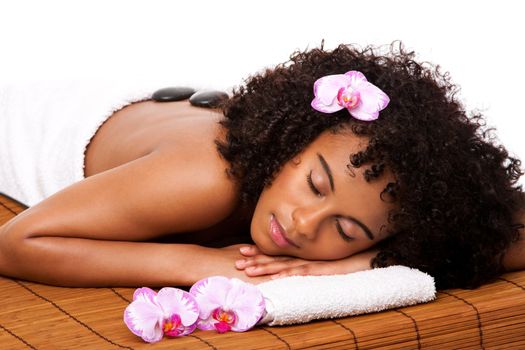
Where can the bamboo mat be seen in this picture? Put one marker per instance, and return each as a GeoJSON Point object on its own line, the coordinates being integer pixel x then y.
{"type": "Point", "coordinates": [35, 316]}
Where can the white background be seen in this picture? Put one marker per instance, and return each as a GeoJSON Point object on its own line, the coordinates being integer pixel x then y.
{"type": "Point", "coordinates": [217, 44]}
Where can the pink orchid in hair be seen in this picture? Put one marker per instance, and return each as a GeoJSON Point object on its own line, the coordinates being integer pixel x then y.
{"type": "Point", "coordinates": [227, 304]}
{"type": "Point", "coordinates": [352, 91]}
{"type": "Point", "coordinates": [171, 312]}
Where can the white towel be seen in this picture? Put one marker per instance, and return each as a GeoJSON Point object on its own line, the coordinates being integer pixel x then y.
{"type": "Point", "coordinates": [300, 299]}
{"type": "Point", "coordinates": [45, 128]}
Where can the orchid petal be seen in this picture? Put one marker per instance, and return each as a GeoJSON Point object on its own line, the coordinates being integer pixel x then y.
{"type": "Point", "coordinates": [144, 317]}
{"type": "Point", "coordinates": [232, 296]}
{"type": "Point", "coordinates": [176, 301]}
{"type": "Point", "coordinates": [373, 100]}
{"type": "Point", "coordinates": [248, 303]}
{"type": "Point", "coordinates": [144, 293]}
{"type": "Point", "coordinates": [355, 78]}
{"type": "Point", "coordinates": [331, 108]}
{"type": "Point", "coordinates": [210, 294]}
{"type": "Point", "coordinates": [325, 92]}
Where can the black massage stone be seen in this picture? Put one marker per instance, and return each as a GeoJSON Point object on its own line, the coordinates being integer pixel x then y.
{"type": "Point", "coordinates": [170, 94]}
{"type": "Point", "coordinates": [208, 98]}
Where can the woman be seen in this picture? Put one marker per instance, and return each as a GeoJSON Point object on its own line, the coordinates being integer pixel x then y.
{"type": "Point", "coordinates": [318, 192]}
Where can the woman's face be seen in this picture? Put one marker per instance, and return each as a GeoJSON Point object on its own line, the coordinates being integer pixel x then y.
{"type": "Point", "coordinates": [323, 212]}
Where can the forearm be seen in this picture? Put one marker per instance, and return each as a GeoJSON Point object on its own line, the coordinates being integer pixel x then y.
{"type": "Point", "coordinates": [85, 262]}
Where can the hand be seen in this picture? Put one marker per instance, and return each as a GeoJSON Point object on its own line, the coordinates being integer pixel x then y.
{"type": "Point", "coordinates": [221, 262]}
{"type": "Point", "coordinates": [256, 264]}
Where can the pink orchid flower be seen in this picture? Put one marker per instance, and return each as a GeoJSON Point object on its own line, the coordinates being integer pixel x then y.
{"type": "Point", "coordinates": [352, 91]}
{"type": "Point", "coordinates": [171, 312]}
{"type": "Point", "coordinates": [227, 304]}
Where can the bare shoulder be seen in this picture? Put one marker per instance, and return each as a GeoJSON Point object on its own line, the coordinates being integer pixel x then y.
{"type": "Point", "coordinates": [166, 191]}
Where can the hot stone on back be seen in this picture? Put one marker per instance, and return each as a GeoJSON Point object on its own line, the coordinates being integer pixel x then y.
{"type": "Point", "coordinates": [208, 98]}
{"type": "Point", "coordinates": [170, 94]}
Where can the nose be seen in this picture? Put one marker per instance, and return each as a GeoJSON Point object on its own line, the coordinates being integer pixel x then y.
{"type": "Point", "coordinates": [307, 220]}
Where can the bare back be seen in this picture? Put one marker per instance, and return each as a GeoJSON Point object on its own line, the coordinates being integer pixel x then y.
{"type": "Point", "coordinates": [142, 127]}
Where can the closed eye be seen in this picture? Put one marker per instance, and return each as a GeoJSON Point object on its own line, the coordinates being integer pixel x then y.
{"type": "Point", "coordinates": [311, 184]}
{"type": "Point", "coordinates": [342, 232]}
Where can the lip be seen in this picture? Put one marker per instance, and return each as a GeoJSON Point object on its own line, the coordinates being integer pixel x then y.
{"type": "Point", "coordinates": [278, 234]}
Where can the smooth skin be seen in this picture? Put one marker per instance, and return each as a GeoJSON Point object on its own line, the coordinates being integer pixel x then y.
{"type": "Point", "coordinates": [153, 174]}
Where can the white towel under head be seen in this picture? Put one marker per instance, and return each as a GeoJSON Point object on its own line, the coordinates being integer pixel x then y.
{"type": "Point", "coordinates": [300, 299]}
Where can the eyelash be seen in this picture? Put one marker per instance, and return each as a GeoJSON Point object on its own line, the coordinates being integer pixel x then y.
{"type": "Point", "coordinates": [341, 232]}
{"type": "Point", "coordinates": [318, 193]}
{"type": "Point", "coordinates": [311, 184]}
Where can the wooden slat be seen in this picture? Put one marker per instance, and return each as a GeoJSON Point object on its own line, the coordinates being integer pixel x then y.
{"type": "Point", "coordinates": [45, 317]}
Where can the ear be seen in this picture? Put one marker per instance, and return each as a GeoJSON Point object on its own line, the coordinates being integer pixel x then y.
{"type": "Point", "coordinates": [296, 160]}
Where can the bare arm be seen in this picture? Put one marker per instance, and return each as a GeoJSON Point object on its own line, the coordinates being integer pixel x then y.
{"type": "Point", "coordinates": [80, 262]}
{"type": "Point", "coordinates": [93, 233]}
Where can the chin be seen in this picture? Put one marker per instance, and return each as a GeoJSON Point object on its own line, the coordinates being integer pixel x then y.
{"type": "Point", "coordinates": [264, 249]}
{"type": "Point", "coordinates": [257, 241]}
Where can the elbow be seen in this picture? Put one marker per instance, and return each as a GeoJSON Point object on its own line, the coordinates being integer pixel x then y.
{"type": "Point", "coordinates": [14, 252]}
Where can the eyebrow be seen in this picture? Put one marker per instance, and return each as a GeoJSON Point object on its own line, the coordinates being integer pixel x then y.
{"type": "Point", "coordinates": [328, 171]}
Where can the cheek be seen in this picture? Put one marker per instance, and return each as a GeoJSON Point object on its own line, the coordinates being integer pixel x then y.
{"type": "Point", "coordinates": [330, 250]}
{"type": "Point", "coordinates": [334, 249]}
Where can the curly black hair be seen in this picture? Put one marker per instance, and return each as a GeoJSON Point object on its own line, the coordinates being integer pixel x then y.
{"type": "Point", "coordinates": [456, 190]}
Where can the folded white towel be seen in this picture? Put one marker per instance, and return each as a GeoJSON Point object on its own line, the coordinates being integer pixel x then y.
{"type": "Point", "coordinates": [300, 299]}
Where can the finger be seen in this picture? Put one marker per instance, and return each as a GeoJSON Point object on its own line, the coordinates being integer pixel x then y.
{"type": "Point", "coordinates": [270, 268]}
{"type": "Point", "coordinates": [249, 250]}
{"type": "Point", "coordinates": [311, 269]}
{"type": "Point", "coordinates": [244, 263]}
{"type": "Point", "coordinates": [265, 259]}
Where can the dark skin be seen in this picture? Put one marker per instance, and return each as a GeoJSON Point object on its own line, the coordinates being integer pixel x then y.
{"type": "Point", "coordinates": [153, 174]}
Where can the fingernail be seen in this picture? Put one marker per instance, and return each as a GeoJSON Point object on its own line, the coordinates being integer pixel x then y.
{"type": "Point", "coordinates": [240, 262]}
{"type": "Point", "coordinates": [251, 269]}
{"type": "Point", "coordinates": [276, 276]}
{"type": "Point", "coordinates": [245, 249]}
